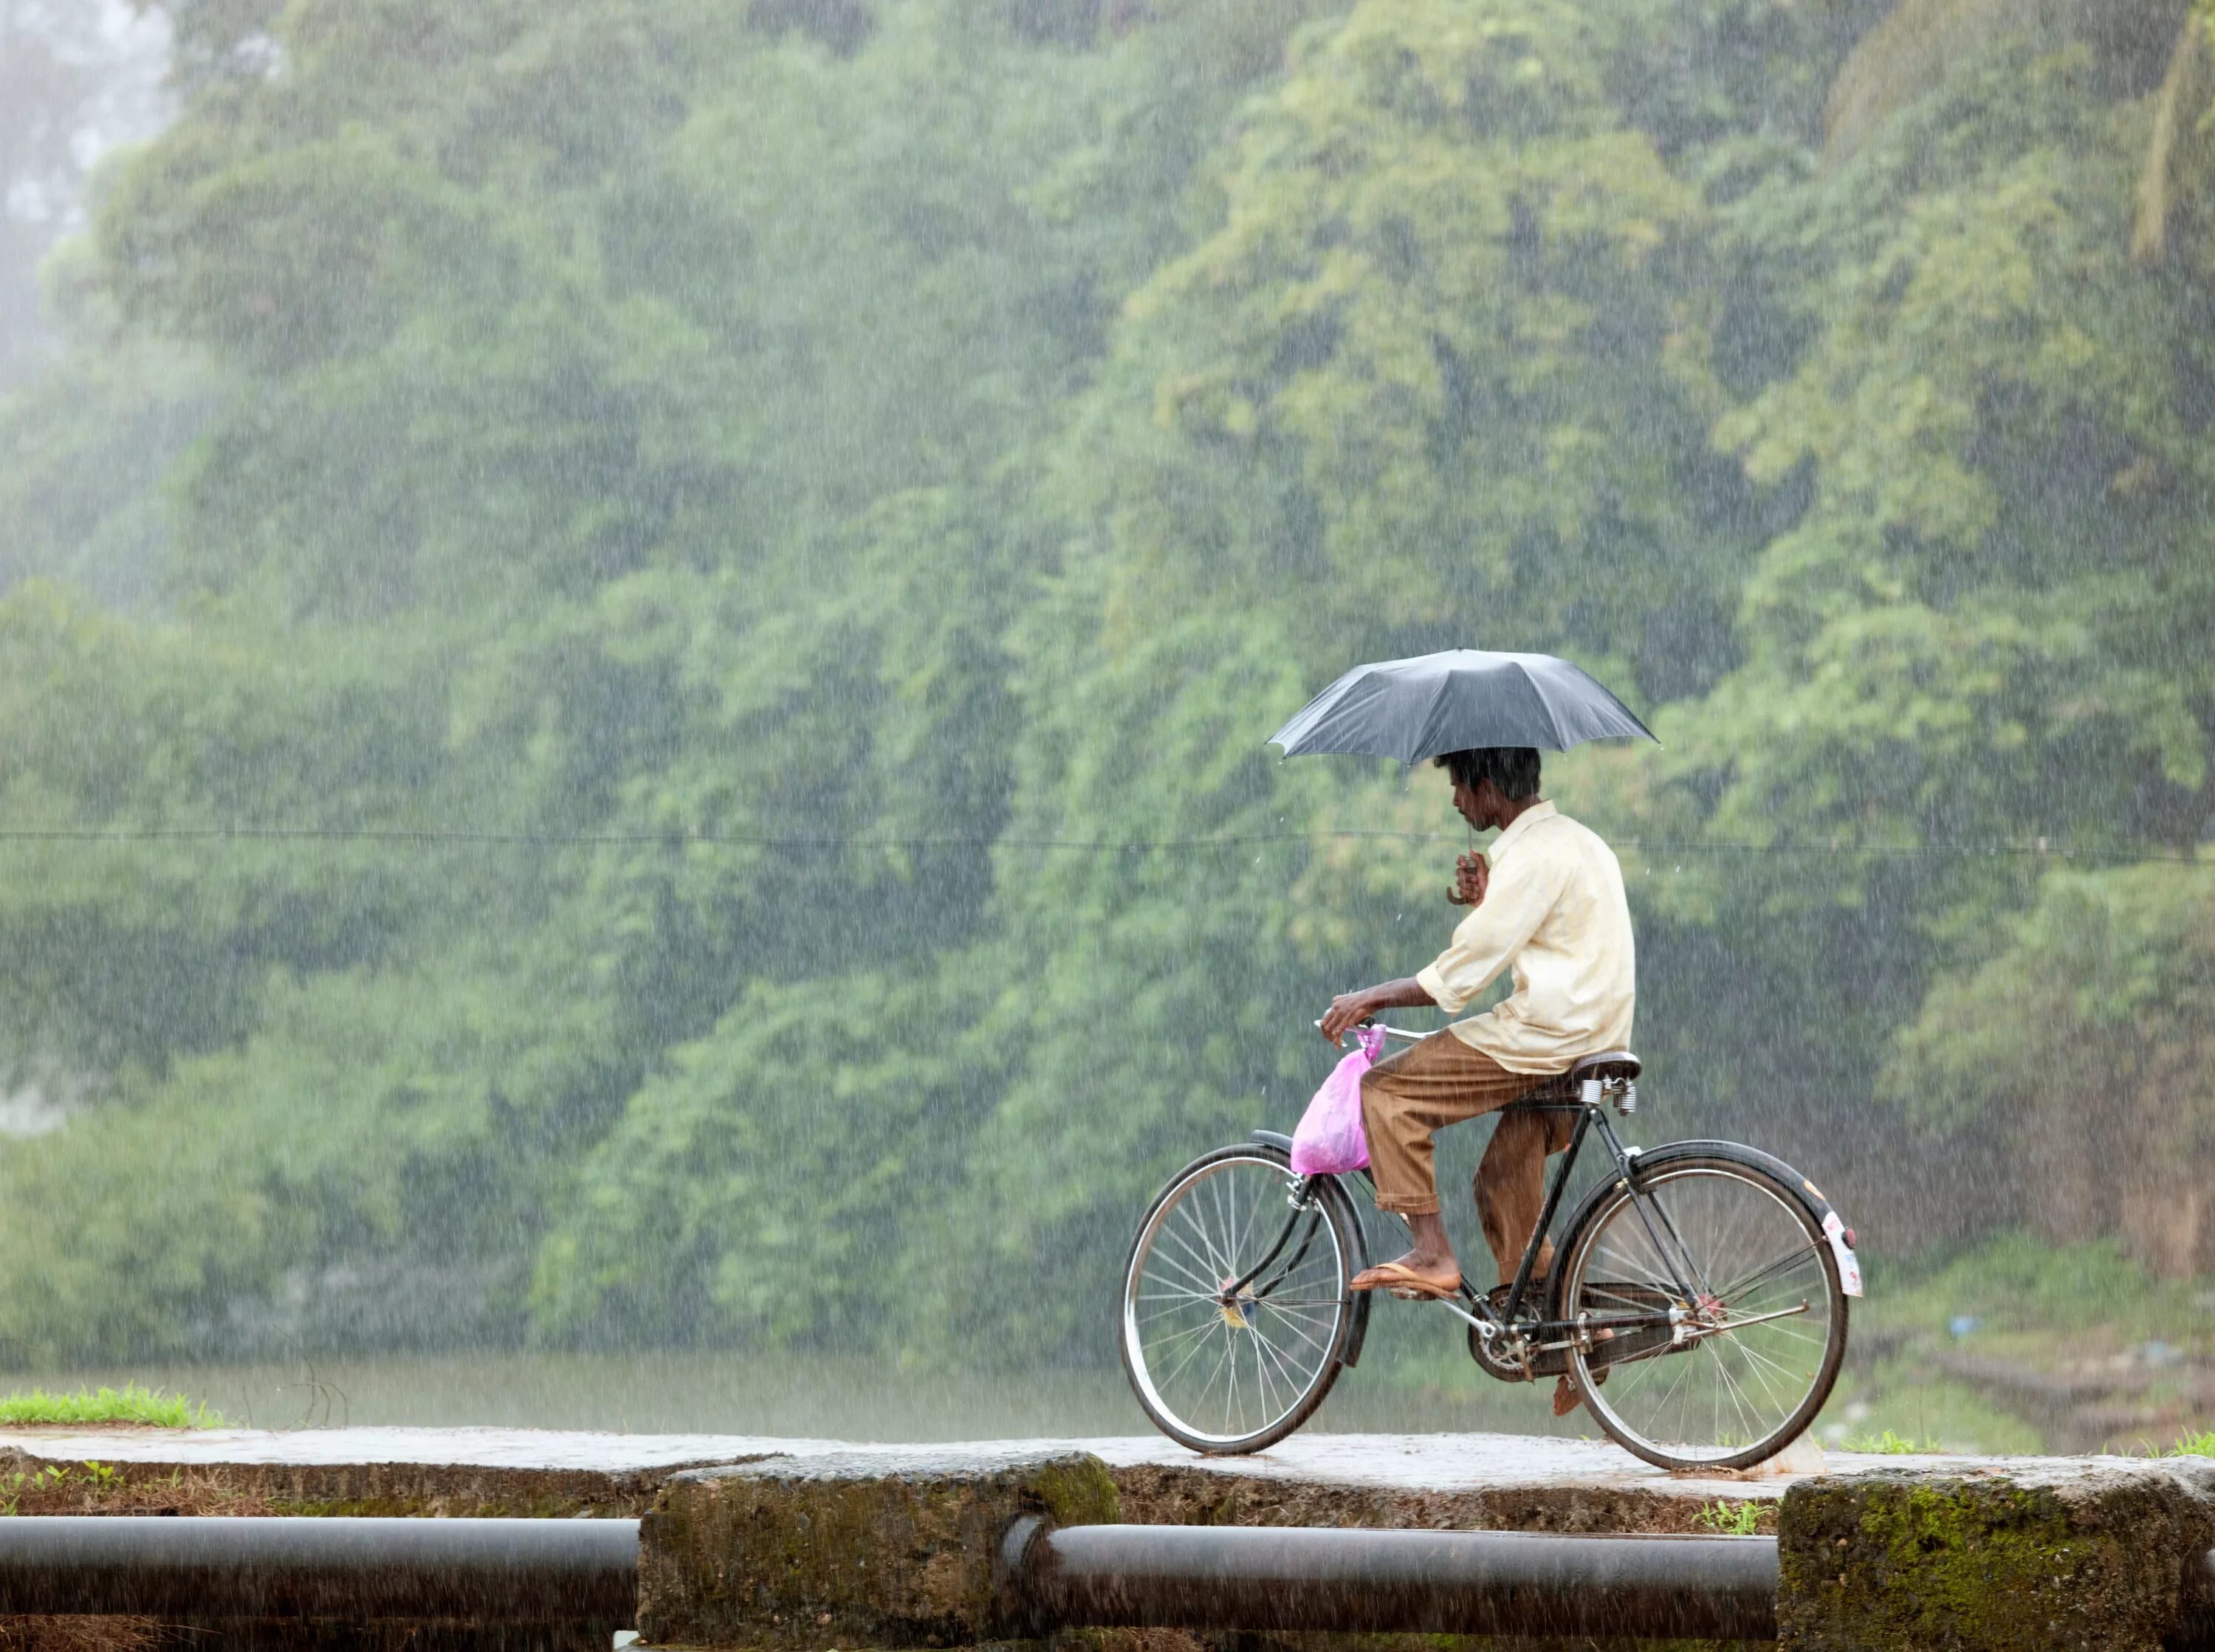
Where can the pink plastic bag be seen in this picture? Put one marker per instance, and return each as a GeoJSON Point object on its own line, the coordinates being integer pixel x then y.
{"type": "Point", "coordinates": [1330, 1139]}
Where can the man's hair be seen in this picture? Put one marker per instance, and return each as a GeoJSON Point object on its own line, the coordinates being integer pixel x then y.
{"type": "Point", "coordinates": [1514, 769]}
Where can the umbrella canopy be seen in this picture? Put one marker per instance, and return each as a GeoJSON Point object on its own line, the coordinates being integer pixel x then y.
{"type": "Point", "coordinates": [1416, 708]}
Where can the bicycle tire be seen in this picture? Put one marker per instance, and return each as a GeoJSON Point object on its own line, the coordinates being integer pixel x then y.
{"type": "Point", "coordinates": [1600, 1274]}
{"type": "Point", "coordinates": [1320, 1343]}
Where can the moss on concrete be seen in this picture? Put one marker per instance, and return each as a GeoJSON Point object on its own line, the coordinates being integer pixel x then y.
{"type": "Point", "coordinates": [1192, 1494]}
{"type": "Point", "coordinates": [851, 1550]}
{"type": "Point", "coordinates": [2042, 1555]}
{"type": "Point", "coordinates": [40, 1485]}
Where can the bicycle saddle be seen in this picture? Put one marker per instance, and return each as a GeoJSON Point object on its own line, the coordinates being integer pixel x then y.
{"type": "Point", "coordinates": [1608, 1064]}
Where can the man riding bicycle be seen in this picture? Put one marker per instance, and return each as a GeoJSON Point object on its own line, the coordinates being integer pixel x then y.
{"type": "Point", "coordinates": [1549, 905]}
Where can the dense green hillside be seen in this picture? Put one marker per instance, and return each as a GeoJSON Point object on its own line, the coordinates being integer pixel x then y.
{"type": "Point", "coordinates": [636, 638]}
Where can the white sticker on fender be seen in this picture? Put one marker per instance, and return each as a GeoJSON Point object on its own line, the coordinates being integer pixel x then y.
{"type": "Point", "coordinates": [1850, 1268]}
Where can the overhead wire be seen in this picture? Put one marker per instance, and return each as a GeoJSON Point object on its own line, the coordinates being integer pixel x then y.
{"type": "Point", "coordinates": [2135, 850]}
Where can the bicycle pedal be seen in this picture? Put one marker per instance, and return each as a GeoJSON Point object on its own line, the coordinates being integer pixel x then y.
{"type": "Point", "coordinates": [1406, 1293]}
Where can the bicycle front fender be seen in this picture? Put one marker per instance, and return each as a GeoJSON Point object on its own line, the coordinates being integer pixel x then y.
{"type": "Point", "coordinates": [1357, 1330]}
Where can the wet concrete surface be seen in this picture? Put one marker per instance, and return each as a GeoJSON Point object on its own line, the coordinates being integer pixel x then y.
{"type": "Point", "coordinates": [515, 1448]}
{"type": "Point", "coordinates": [1478, 1480]}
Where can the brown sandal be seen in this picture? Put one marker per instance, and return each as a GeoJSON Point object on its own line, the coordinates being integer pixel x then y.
{"type": "Point", "coordinates": [1405, 1282]}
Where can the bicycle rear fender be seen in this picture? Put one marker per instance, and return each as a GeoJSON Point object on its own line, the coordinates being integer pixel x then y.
{"type": "Point", "coordinates": [1360, 1328]}
{"type": "Point", "coordinates": [1810, 1197]}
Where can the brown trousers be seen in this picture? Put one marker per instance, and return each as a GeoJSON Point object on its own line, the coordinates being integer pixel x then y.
{"type": "Point", "coordinates": [1442, 1081]}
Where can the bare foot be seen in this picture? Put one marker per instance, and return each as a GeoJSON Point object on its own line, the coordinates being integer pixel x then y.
{"type": "Point", "coordinates": [1433, 1275]}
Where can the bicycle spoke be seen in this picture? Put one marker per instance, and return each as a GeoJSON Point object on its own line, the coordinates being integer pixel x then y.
{"type": "Point", "coordinates": [1209, 1230]}
{"type": "Point", "coordinates": [1317, 1344]}
{"type": "Point", "coordinates": [1216, 1369]}
{"type": "Point", "coordinates": [1195, 1267]}
{"type": "Point", "coordinates": [1197, 1348]}
{"type": "Point", "coordinates": [1738, 1288]}
{"type": "Point", "coordinates": [1161, 1313]}
{"type": "Point", "coordinates": [1266, 1356]}
{"type": "Point", "coordinates": [1729, 1384]}
{"type": "Point", "coordinates": [1762, 1365]}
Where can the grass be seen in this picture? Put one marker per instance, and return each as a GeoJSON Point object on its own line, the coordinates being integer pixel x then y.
{"type": "Point", "coordinates": [52, 1478]}
{"type": "Point", "coordinates": [2193, 1445]}
{"type": "Point", "coordinates": [129, 1403]}
{"type": "Point", "coordinates": [1889, 1444]}
{"type": "Point", "coordinates": [1901, 1395]}
{"type": "Point", "coordinates": [1730, 1520]}
{"type": "Point", "coordinates": [2021, 1289]}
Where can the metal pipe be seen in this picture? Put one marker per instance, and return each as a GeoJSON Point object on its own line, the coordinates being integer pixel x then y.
{"type": "Point", "coordinates": [1284, 1578]}
{"type": "Point", "coordinates": [210, 1566]}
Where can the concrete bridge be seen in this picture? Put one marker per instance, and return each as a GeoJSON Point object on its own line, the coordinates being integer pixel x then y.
{"type": "Point", "coordinates": [810, 1544]}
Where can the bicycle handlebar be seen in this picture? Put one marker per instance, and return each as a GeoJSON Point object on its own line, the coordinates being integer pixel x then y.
{"type": "Point", "coordinates": [1390, 1032]}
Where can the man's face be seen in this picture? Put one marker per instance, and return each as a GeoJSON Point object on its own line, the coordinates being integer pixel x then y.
{"type": "Point", "coordinates": [1475, 806]}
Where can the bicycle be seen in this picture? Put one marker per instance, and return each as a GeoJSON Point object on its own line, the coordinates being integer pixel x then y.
{"type": "Point", "coordinates": [1708, 1278]}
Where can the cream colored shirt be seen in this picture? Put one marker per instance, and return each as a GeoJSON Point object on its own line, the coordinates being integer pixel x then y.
{"type": "Point", "coordinates": [1554, 909]}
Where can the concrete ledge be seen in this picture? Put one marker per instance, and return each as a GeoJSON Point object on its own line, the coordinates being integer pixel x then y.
{"type": "Point", "coordinates": [2016, 1557]}
{"type": "Point", "coordinates": [1495, 1481]}
{"type": "Point", "coordinates": [478, 1472]}
{"type": "Point", "coordinates": [892, 1548]}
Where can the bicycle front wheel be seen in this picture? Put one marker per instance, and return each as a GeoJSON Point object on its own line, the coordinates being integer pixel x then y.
{"type": "Point", "coordinates": [1711, 1319]}
{"type": "Point", "coordinates": [1235, 1310]}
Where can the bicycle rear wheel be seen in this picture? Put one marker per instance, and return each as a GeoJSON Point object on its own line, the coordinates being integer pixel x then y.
{"type": "Point", "coordinates": [1235, 1309]}
{"type": "Point", "coordinates": [1730, 1323]}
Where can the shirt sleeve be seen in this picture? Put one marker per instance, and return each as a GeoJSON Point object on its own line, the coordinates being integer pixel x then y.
{"type": "Point", "coordinates": [1486, 942]}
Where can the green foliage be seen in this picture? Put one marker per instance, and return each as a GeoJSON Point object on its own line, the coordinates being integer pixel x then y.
{"type": "Point", "coordinates": [1930, 631]}
{"type": "Point", "coordinates": [2121, 964]}
{"type": "Point", "coordinates": [635, 640]}
{"type": "Point", "coordinates": [88, 443]}
{"type": "Point", "coordinates": [1911, 52]}
{"type": "Point", "coordinates": [129, 1403]}
{"type": "Point", "coordinates": [2092, 1023]}
{"type": "Point", "coordinates": [684, 1216]}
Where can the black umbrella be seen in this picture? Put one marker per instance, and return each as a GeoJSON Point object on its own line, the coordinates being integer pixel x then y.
{"type": "Point", "coordinates": [1416, 708]}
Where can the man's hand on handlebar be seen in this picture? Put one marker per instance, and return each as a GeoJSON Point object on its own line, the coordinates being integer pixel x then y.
{"type": "Point", "coordinates": [1346, 1010]}
{"type": "Point", "coordinates": [1349, 1010]}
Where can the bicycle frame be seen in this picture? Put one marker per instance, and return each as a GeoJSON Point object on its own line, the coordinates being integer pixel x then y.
{"type": "Point", "coordinates": [1686, 1273]}
{"type": "Point", "coordinates": [1687, 1276]}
